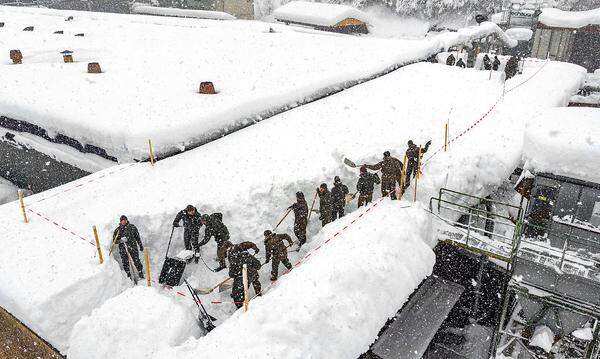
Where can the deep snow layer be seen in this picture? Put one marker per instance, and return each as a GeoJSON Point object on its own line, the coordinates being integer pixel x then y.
{"type": "Point", "coordinates": [569, 19]}
{"type": "Point", "coordinates": [251, 176]}
{"type": "Point", "coordinates": [565, 141]}
{"type": "Point", "coordinates": [152, 68]}
{"type": "Point", "coordinates": [135, 324]}
{"type": "Point", "coordinates": [332, 305]}
{"type": "Point", "coordinates": [314, 13]}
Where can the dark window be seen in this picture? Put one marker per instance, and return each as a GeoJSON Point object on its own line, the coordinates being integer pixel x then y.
{"type": "Point", "coordinates": [589, 207]}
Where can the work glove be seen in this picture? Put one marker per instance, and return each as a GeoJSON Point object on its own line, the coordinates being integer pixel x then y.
{"type": "Point", "coordinates": [428, 143]}
{"type": "Point", "coordinates": [141, 248]}
{"type": "Point", "coordinates": [123, 239]}
{"type": "Point", "coordinates": [267, 261]}
{"type": "Point", "coordinates": [176, 225]}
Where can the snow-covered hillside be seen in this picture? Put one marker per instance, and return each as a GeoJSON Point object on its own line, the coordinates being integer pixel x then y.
{"type": "Point", "coordinates": [251, 177]}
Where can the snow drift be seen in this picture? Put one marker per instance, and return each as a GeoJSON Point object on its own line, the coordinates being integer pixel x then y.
{"type": "Point", "coordinates": [134, 324]}
{"type": "Point", "coordinates": [564, 141]}
{"type": "Point", "coordinates": [332, 305]}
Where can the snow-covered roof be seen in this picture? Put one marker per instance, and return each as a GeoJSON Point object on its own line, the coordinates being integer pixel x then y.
{"type": "Point", "coordinates": [519, 33]}
{"type": "Point", "coordinates": [565, 141]}
{"type": "Point", "coordinates": [468, 34]}
{"type": "Point", "coordinates": [165, 11]}
{"type": "Point", "coordinates": [152, 67]}
{"type": "Point", "coordinates": [314, 13]}
{"type": "Point", "coordinates": [569, 19]}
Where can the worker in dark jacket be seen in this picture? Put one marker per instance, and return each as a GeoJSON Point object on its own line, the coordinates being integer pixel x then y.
{"type": "Point", "coordinates": [461, 63]}
{"type": "Point", "coordinates": [128, 238]}
{"type": "Point", "coordinates": [391, 172]}
{"type": "Point", "coordinates": [487, 63]}
{"type": "Point", "coordinates": [338, 195]}
{"type": "Point", "coordinates": [450, 60]}
{"type": "Point", "coordinates": [214, 227]}
{"type": "Point", "coordinates": [512, 67]}
{"type": "Point", "coordinates": [300, 209]}
{"type": "Point", "coordinates": [277, 250]}
{"type": "Point", "coordinates": [412, 159]}
{"type": "Point", "coordinates": [238, 256]}
{"type": "Point", "coordinates": [366, 185]}
{"type": "Point", "coordinates": [325, 204]}
{"type": "Point", "coordinates": [191, 227]}
{"type": "Point", "coordinates": [496, 64]}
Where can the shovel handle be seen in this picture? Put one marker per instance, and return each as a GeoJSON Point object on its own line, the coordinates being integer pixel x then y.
{"type": "Point", "coordinates": [312, 205]}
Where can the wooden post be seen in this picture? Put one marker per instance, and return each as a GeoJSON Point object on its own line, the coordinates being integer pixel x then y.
{"type": "Point", "coordinates": [417, 173]}
{"type": "Point", "coordinates": [147, 265]}
{"type": "Point", "coordinates": [22, 206]}
{"type": "Point", "coordinates": [151, 152]}
{"type": "Point", "coordinates": [403, 176]}
{"type": "Point", "coordinates": [446, 137]}
{"type": "Point", "coordinates": [98, 244]}
{"type": "Point", "coordinates": [245, 281]}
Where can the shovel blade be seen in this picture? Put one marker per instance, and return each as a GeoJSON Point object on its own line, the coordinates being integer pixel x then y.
{"type": "Point", "coordinates": [226, 285]}
{"type": "Point", "coordinates": [349, 163]}
{"type": "Point", "coordinates": [203, 291]}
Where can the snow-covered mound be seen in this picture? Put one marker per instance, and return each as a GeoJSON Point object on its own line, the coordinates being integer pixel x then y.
{"type": "Point", "coordinates": [8, 191]}
{"type": "Point", "coordinates": [168, 11]}
{"type": "Point", "coordinates": [468, 34]}
{"type": "Point", "coordinates": [565, 141]}
{"type": "Point", "coordinates": [251, 176]}
{"type": "Point", "coordinates": [519, 33]}
{"type": "Point", "coordinates": [313, 13]}
{"type": "Point", "coordinates": [134, 324]}
{"type": "Point", "coordinates": [570, 19]}
{"type": "Point", "coordinates": [333, 305]}
{"type": "Point", "coordinates": [152, 68]}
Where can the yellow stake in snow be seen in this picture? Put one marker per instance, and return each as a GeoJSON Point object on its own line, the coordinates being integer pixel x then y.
{"type": "Point", "coordinates": [151, 152]}
{"type": "Point", "coordinates": [246, 291]}
{"type": "Point", "coordinates": [147, 263]}
{"type": "Point", "coordinates": [98, 244]}
{"type": "Point", "coordinates": [22, 206]}
{"type": "Point", "coordinates": [418, 174]}
{"type": "Point", "coordinates": [446, 137]}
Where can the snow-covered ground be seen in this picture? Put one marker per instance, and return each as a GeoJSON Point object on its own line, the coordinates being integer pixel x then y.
{"type": "Point", "coordinates": [8, 191]}
{"type": "Point", "coordinates": [251, 177]}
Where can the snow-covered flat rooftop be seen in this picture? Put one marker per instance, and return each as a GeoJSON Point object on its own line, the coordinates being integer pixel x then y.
{"type": "Point", "coordinates": [314, 13]}
{"type": "Point", "coordinates": [152, 68]}
{"type": "Point", "coordinates": [251, 177]}
{"type": "Point", "coordinates": [570, 19]}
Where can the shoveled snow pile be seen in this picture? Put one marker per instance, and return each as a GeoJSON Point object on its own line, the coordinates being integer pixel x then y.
{"type": "Point", "coordinates": [468, 34]}
{"type": "Point", "coordinates": [8, 191]}
{"type": "Point", "coordinates": [251, 176]}
{"type": "Point", "coordinates": [314, 13]}
{"type": "Point", "coordinates": [565, 141]}
{"type": "Point", "coordinates": [542, 338]}
{"type": "Point", "coordinates": [570, 19]}
{"type": "Point", "coordinates": [134, 324]}
{"type": "Point", "coordinates": [519, 33]}
{"type": "Point", "coordinates": [167, 11]}
{"type": "Point", "coordinates": [332, 305]}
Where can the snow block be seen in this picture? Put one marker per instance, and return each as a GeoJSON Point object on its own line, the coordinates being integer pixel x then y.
{"type": "Point", "coordinates": [134, 324]}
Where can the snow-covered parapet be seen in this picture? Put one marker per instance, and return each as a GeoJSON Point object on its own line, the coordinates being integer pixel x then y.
{"type": "Point", "coordinates": [569, 19]}
{"type": "Point", "coordinates": [165, 11]}
{"type": "Point", "coordinates": [467, 35]}
{"type": "Point", "coordinates": [564, 141]}
{"type": "Point", "coordinates": [321, 14]}
{"type": "Point", "coordinates": [333, 305]}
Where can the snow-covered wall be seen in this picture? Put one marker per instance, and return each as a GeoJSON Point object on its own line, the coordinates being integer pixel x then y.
{"type": "Point", "coordinates": [564, 141]}
{"type": "Point", "coordinates": [333, 305]}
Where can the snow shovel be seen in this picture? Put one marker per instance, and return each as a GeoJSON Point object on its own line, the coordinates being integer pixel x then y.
{"type": "Point", "coordinates": [172, 269]}
{"type": "Point", "coordinates": [349, 163]}
{"type": "Point", "coordinates": [223, 286]}
{"type": "Point", "coordinates": [204, 319]}
{"type": "Point", "coordinates": [350, 197]}
{"type": "Point", "coordinates": [132, 273]}
{"type": "Point", "coordinates": [312, 205]}
{"type": "Point", "coordinates": [281, 220]}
